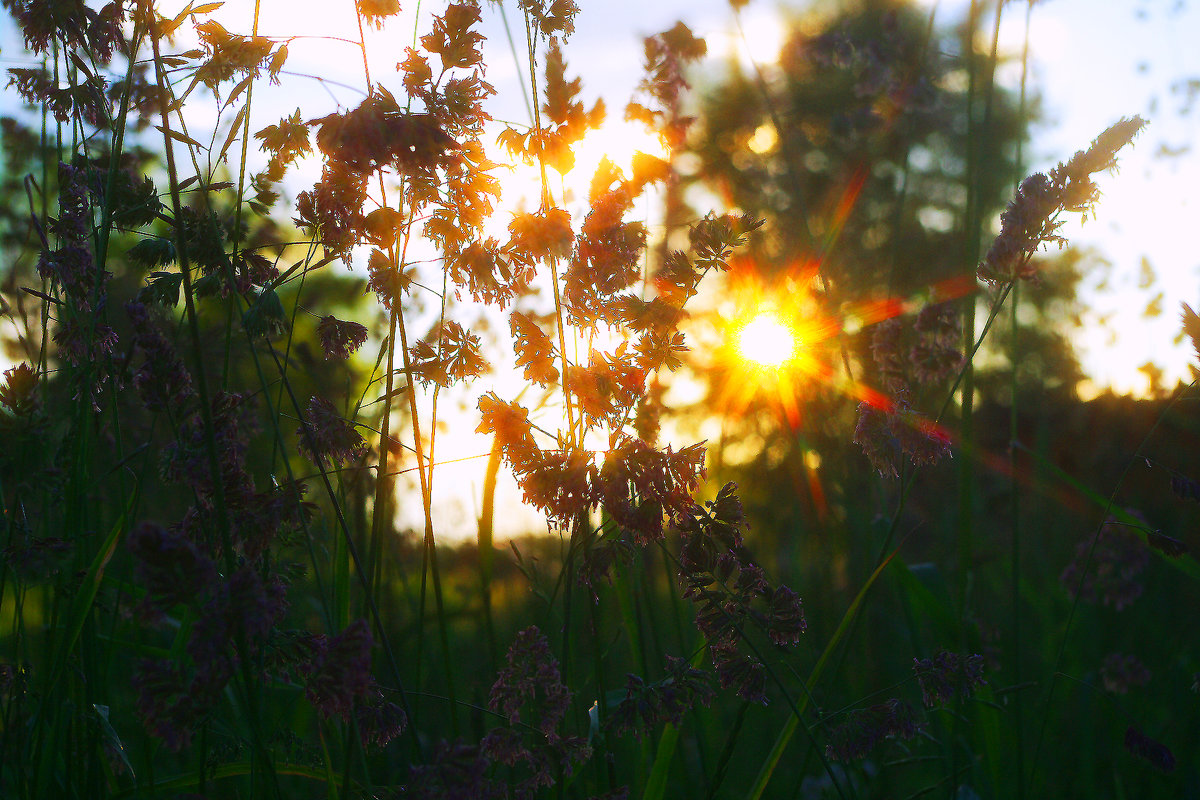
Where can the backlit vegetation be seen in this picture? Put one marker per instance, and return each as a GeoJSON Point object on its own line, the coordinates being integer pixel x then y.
{"type": "Point", "coordinates": [226, 408]}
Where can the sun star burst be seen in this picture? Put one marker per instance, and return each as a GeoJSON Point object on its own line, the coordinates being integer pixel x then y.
{"type": "Point", "coordinates": [766, 340]}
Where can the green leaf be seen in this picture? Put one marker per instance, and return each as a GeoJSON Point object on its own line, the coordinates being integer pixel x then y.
{"type": "Point", "coordinates": [80, 64]}
{"type": "Point", "coordinates": [233, 769]}
{"type": "Point", "coordinates": [663, 755]}
{"type": "Point", "coordinates": [179, 137]}
{"type": "Point", "coordinates": [208, 286]}
{"type": "Point", "coordinates": [789, 728]}
{"type": "Point", "coordinates": [924, 587]}
{"type": "Point", "coordinates": [85, 596]}
{"type": "Point", "coordinates": [162, 288]}
{"type": "Point", "coordinates": [266, 317]}
{"type": "Point", "coordinates": [1187, 566]}
{"type": "Point", "coordinates": [656, 784]}
{"type": "Point", "coordinates": [153, 252]}
{"type": "Point", "coordinates": [241, 86]}
{"type": "Point", "coordinates": [174, 24]}
{"type": "Point", "coordinates": [114, 741]}
{"type": "Point", "coordinates": [233, 132]}
{"type": "Point", "coordinates": [204, 8]}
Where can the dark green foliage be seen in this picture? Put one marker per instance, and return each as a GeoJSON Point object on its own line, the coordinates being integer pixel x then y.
{"type": "Point", "coordinates": [208, 440]}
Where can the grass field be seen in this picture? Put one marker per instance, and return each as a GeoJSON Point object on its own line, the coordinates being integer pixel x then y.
{"type": "Point", "coordinates": [911, 562]}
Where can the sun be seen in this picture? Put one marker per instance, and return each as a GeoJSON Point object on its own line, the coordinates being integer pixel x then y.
{"type": "Point", "coordinates": [772, 343]}
{"type": "Point", "coordinates": [766, 340]}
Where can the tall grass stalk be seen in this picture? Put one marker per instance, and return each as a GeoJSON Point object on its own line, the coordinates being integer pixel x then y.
{"type": "Point", "coordinates": [1015, 656]}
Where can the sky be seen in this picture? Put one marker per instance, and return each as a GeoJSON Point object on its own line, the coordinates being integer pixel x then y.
{"type": "Point", "coordinates": [1092, 62]}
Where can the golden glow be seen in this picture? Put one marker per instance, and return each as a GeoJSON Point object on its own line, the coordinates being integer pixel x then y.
{"type": "Point", "coordinates": [766, 340]}
{"type": "Point", "coordinates": [757, 39]}
{"type": "Point", "coordinates": [521, 184]}
{"type": "Point", "coordinates": [764, 139]}
{"type": "Point", "coordinates": [618, 140]}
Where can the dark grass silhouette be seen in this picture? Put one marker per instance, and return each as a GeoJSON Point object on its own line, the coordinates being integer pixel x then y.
{"type": "Point", "coordinates": [204, 590]}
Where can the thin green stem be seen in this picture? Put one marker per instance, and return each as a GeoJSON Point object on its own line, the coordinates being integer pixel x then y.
{"type": "Point", "coordinates": [552, 261]}
{"type": "Point", "coordinates": [193, 324]}
{"type": "Point", "coordinates": [1015, 653]}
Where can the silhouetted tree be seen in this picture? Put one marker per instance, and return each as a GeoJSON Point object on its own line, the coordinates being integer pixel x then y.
{"type": "Point", "coordinates": [857, 150]}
